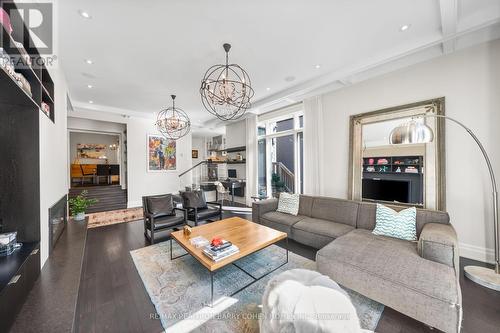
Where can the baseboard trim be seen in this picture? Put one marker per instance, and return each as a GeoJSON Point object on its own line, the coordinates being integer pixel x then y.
{"type": "Point", "coordinates": [134, 204]}
{"type": "Point", "coordinates": [477, 253]}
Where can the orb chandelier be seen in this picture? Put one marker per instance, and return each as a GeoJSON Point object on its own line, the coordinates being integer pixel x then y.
{"type": "Point", "coordinates": [173, 122]}
{"type": "Point", "coordinates": [226, 90]}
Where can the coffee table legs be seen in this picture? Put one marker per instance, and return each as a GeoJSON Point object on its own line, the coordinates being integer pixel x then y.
{"type": "Point", "coordinates": [172, 255]}
{"type": "Point", "coordinates": [255, 279]}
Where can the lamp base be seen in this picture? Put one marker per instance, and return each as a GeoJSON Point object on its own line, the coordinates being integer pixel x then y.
{"type": "Point", "coordinates": [483, 276]}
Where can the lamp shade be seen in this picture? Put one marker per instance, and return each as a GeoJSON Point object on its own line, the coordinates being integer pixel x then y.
{"type": "Point", "coordinates": [411, 132]}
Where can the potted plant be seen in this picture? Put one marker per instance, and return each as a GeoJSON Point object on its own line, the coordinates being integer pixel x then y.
{"type": "Point", "coordinates": [79, 204]}
{"type": "Point", "coordinates": [277, 185]}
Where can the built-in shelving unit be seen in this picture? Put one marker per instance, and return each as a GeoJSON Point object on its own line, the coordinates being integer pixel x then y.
{"type": "Point", "coordinates": [390, 164]}
{"type": "Point", "coordinates": [20, 169]}
{"type": "Point", "coordinates": [36, 74]}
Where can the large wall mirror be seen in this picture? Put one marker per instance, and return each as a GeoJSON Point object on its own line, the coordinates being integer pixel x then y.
{"type": "Point", "coordinates": [400, 174]}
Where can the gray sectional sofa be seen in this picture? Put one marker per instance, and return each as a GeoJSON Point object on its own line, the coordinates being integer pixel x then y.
{"type": "Point", "coordinates": [418, 279]}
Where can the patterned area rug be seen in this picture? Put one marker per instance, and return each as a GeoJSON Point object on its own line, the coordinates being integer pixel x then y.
{"type": "Point", "coordinates": [114, 217]}
{"type": "Point", "coordinates": [179, 289]}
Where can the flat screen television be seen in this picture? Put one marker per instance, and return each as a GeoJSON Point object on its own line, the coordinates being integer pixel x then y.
{"type": "Point", "coordinates": [386, 190]}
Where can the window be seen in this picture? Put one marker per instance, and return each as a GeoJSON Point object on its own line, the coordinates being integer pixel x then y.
{"type": "Point", "coordinates": [280, 154]}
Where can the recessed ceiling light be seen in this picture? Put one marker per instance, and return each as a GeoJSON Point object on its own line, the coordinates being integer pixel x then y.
{"type": "Point", "coordinates": [91, 102]}
{"type": "Point", "coordinates": [84, 14]}
{"type": "Point", "coordinates": [405, 27]}
{"type": "Point", "coordinates": [89, 61]}
{"type": "Point", "coordinates": [268, 89]}
{"type": "Point", "coordinates": [90, 86]}
{"type": "Point", "coordinates": [317, 66]}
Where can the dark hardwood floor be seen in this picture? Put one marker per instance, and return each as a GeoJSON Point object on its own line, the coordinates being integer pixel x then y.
{"type": "Point", "coordinates": [112, 297]}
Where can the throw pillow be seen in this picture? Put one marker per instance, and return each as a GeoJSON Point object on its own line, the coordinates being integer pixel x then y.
{"type": "Point", "coordinates": [402, 225]}
{"type": "Point", "coordinates": [161, 205]}
{"type": "Point", "coordinates": [193, 199]}
{"type": "Point", "coordinates": [288, 203]}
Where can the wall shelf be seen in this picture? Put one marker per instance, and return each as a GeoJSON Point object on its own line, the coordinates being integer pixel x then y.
{"type": "Point", "coordinates": [41, 84]}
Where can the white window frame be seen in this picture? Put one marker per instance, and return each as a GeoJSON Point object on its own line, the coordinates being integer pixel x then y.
{"type": "Point", "coordinates": [267, 124]}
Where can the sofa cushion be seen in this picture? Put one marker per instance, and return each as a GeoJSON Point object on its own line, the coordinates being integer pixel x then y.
{"type": "Point", "coordinates": [288, 203]}
{"type": "Point", "coordinates": [317, 232]}
{"type": "Point", "coordinates": [305, 206]}
{"type": "Point", "coordinates": [337, 210]}
{"type": "Point", "coordinates": [400, 224]}
{"type": "Point", "coordinates": [367, 213]}
{"type": "Point", "coordinates": [280, 221]}
{"type": "Point", "coordinates": [390, 271]}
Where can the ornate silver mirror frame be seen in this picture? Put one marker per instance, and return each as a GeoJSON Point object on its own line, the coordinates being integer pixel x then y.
{"type": "Point", "coordinates": [434, 164]}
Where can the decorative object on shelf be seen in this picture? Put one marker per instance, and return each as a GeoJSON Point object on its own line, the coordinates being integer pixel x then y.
{"type": "Point", "coordinates": [162, 154]}
{"type": "Point", "coordinates": [194, 153]}
{"type": "Point", "coordinates": [382, 161]}
{"type": "Point", "coordinates": [226, 90]}
{"type": "Point", "coordinates": [8, 243]}
{"type": "Point", "coordinates": [371, 161]}
{"type": "Point", "coordinates": [45, 108]}
{"type": "Point", "coordinates": [417, 133]}
{"type": "Point", "coordinates": [173, 122]}
{"type": "Point", "coordinates": [24, 54]}
{"type": "Point", "coordinates": [411, 169]}
{"type": "Point", "coordinates": [398, 169]}
{"type": "Point", "coordinates": [5, 21]}
{"type": "Point", "coordinates": [370, 169]}
{"type": "Point", "coordinates": [79, 204]}
{"type": "Point", "coordinates": [23, 83]}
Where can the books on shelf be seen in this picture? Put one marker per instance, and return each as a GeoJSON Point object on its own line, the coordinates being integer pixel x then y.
{"type": "Point", "coordinates": [220, 252]}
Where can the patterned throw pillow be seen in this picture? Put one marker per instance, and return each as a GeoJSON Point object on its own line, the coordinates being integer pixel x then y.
{"type": "Point", "coordinates": [288, 203]}
{"type": "Point", "coordinates": [402, 225]}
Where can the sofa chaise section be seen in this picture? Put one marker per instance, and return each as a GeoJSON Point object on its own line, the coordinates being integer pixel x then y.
{"type": "Point", "coordinates": [391, 271]}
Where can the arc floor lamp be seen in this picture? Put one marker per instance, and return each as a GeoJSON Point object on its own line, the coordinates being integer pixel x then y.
{"type": "Point", "coordinates": [415, 132]}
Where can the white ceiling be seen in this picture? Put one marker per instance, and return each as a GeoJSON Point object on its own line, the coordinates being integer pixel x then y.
{"type": "Point", "coordinates": [143, 51]}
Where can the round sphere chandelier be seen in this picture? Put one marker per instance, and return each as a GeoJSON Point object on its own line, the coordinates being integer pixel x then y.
{"type": "Point", "coordinates": [226, 90]}
{"type": "Point", "coordinates": [173, 122]}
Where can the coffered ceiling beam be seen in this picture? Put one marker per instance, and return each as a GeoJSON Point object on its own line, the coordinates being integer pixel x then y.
{"type": "Point", "coordinates": [449, 23]}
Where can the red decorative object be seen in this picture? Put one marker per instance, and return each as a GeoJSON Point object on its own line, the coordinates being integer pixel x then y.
{"type": "Point", "coordinates": [216, 241]}
{"type": "Point", "coordinates": [371, 161]}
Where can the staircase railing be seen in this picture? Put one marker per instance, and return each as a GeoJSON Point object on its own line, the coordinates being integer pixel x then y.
{"type": "Point", "coordinates": [285, 175]}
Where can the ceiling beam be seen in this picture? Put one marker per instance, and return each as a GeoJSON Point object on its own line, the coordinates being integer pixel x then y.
{"type": "Point", "coordinates": [449, 23]}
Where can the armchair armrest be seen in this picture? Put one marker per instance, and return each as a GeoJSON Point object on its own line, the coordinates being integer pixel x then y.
{"type": "Point", "coordinates": [259, 208]}
{"type": "Point", "coordinates": [215, 203]}
{"type": "Point", "coordinates": [184, 211]}
{"type": "Point", "coordinates": [438, 242]}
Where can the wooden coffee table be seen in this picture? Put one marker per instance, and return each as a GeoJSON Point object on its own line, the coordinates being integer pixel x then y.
{"type": "Point", "coordinates": [249, 237]}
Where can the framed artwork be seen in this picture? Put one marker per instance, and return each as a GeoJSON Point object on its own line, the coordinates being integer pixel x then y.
{"type": "Point", "coordinates": [91, 150]}
{"type": "Point", "coordinates": [194, 153]}
{"type": "Point", "coordinates": [162, 154]}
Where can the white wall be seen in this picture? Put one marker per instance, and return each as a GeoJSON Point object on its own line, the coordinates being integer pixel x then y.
{"type": "Point", "coordinates": [236, 134]}
{"type": "Point", "coordinates": [53, 159]}
{"type": "Point", "coordinates": [141, 182]}
{"type": "Point", "coordinates": [199, 143]}
{"type": "Point", "coordinates": [470, 82]}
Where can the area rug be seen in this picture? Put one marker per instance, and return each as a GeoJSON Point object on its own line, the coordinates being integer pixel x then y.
{"type": "Point", "coordinates": [180, 289]}
{"type": "Point", "coordinates": [113, 217]}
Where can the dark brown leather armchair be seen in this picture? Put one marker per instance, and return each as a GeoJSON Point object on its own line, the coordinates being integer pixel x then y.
{"type": "Point", "coordinates": [160, 213]}
{"type": "Point", "coordinates": [198, 209]}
